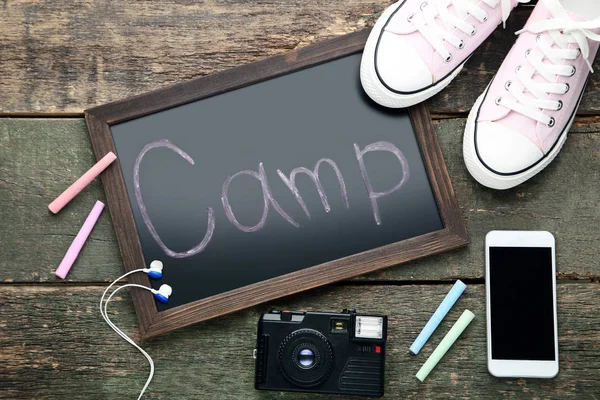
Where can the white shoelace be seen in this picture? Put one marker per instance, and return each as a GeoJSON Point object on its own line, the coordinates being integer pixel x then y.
{"type": "Point", "coordinates": [563, 32]}
{"type": "Point", "coordinates": [436, 34]}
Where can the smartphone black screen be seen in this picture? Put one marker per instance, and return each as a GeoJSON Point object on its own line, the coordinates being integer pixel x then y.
{"type": "Point", "coordinates": [521, 303]}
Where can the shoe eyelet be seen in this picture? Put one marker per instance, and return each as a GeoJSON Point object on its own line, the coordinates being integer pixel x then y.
{"type": "Point", "coordinates": [473, 32]}
{"type": "Point", "coordinates": [410, 17]}
{"type": "Point", "coordinates": [448, 59]}
{"type": "Point", "coordinates": [560, 105]}
{"type": "Point", "coordinates": [461, 45]}
{"type": "Point", "coordinates": [578, 53]}
{"type": "Point", "coordinates": [527, 52]}
{"type": "Point", "coordinates": [498, 100]}
{"type": "Point", "coordinates": [552, 122]}
{"type": "Point", "coordinates": [485, 18]}
{"type": "Point", "coordinates": [573, 70]}
{"type": "Point", "coordinates": [538, 37]}
{"type": "Point", "coordinates": [567, 87]}
{"type": "Point", "coordinates": [423, 5]}
{"type": "Point", "coordinates": [507, 84]}
{"type": "Point", "coordinates": [518, 68]}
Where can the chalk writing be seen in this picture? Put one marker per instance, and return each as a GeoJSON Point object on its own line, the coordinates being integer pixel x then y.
{"type": "Point", "coordinates": [267, 198]}
{"type": "Point", "coordinates": [314, 175]}
{"type": "Point", "coordinates": [140, 202]}
{"type": "Point", "coordinates": [380, 146]}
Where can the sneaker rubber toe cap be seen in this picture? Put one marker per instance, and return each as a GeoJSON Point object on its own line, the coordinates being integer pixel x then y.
{"type": "Point", "coordinates": [504, 150]}
{"type": "Point", "coordinates": [399, 66]}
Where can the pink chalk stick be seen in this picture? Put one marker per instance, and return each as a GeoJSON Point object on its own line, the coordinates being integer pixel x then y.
{"type": "Point", "coordinates": [79, 241]}
{"type": "Point", "coordinates": [82, 182]}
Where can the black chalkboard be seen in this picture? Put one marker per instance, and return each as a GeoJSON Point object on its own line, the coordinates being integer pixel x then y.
{"type": "Point", "coordinates": [270, 179]}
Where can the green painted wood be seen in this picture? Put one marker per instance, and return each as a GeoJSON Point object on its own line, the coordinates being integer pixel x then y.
{"type": "Point", "coordinates": [64, 57]}
{"type": "Point", "coordinates": [41, 157]}
{"type": "Point", "coordinates": [55, 345]}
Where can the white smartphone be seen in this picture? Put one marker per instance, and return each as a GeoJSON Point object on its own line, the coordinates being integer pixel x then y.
{"type": "Point", "coordinates": [522, 334]}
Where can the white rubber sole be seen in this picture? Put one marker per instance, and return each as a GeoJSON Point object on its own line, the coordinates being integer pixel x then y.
{"type": "Point", "coordinates": [488, 178]}
{"type": "Point", "coordinates": [373, 86]}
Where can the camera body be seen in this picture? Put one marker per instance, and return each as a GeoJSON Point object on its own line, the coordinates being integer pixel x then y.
{"type": "Point", "coordinates": [321, 352]}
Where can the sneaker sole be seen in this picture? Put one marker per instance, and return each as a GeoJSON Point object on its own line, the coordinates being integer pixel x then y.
{"type": "Point", "coordinates": [373, 86]}
{"type": "Point", "coordinates": [502, 182]}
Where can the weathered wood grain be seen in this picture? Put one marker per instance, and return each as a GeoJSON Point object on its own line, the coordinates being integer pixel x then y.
{"type": "Point", "coordinates": [54, 345]}
{"type": "Point", "coordinates": [41, 157]}
{"type": "Point", "coordinates": [64, 57]}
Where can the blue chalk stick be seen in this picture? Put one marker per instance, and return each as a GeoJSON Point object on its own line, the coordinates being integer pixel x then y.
{"type": "Point", "coordinates": [438, 316]}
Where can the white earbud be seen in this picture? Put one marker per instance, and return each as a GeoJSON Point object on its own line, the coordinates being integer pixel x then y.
{"type": "Point", "coordinates": [155, 270]}
{"type": "Point", "coordinates": [163, 293]}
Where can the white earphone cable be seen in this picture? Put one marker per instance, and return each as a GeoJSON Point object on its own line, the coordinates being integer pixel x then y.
{"type": "Point", "coordinates": [103, 312]}
{"type": "Point", "coordinates": [114, 282]}
{"type": "Point", "coordinates": [109, 322]}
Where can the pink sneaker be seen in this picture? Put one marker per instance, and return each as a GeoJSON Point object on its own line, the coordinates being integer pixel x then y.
{"type": "Point", "coordinates": [417, 47]}
{"type": "Point", "coordinates": [520, 123]}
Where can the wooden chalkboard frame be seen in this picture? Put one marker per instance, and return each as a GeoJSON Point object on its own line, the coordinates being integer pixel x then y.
{"type": "Point", "coordinates": [100, 119]}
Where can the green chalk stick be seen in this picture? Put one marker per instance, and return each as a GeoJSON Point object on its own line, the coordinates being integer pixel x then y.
{"type": "Point", "coordinates": [453, 334]}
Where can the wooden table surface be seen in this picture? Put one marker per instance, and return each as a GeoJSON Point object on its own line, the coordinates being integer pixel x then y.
{"type": "Point", "coordinates": [58, 58]}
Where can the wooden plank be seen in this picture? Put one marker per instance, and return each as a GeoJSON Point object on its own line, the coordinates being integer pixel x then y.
{"type": "Point", "coordinates": [64, 57]}
{"type": "Point", "coordinates": [54, 345]}
{"type": "Point", "coordinates": [41, 157]}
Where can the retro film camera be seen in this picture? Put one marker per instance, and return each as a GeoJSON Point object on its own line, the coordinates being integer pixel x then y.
{"type": "Point", "coordinates": [321, 352]}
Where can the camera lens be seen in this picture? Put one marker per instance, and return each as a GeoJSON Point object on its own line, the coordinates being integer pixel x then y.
{"type": "Point", "coordinates": [306, 358]}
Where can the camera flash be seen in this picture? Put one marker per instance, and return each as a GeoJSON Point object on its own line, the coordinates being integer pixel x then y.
{"type": "Point", "coordinates": [369, 327]}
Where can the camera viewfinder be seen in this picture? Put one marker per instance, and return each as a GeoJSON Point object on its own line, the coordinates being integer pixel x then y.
{"type": "Point", "coordinates": [339, 326]}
